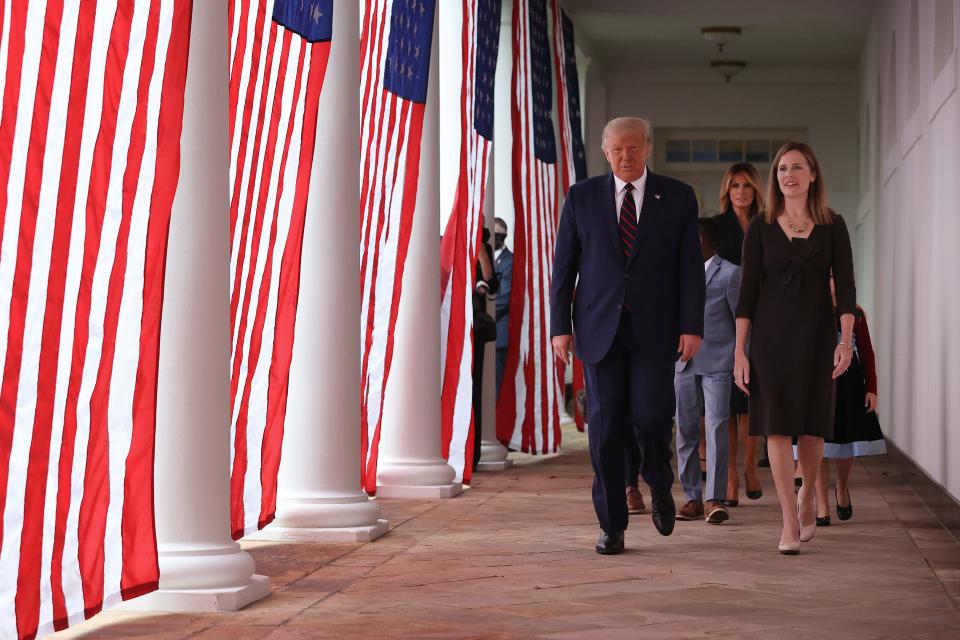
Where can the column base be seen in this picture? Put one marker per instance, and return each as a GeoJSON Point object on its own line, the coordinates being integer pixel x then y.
{"type": "Point", "coordinates": [325, 510]}
{"type": "Point", "coordinates": [275, 533]}
{"type": "Point", "coordinates": [417, 479]}
{"type": "Point", "coordinates": [494, 465]}
{"type": "Point", "coordinates": [224, 599]}
{"type": "Point", "coordinates": [493, 456]}
{"type": "Point", "coordinates": [566, 419]}
{"type": "Point", "coordinates": [451, 490]}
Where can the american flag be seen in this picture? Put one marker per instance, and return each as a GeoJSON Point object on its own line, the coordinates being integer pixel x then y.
{"type": "Point", "coordinates": [463, 234]}
{"type": "Point", "coordinates": [574, 160]}
{"type": "Point", "coordinates": [394, 69]}
{"type": "Point", "coordinates": [92, 110]}
{"type": "Point", "coordinates": [279, 51]}
{"type": "Point", "coordinates": [528, 409]}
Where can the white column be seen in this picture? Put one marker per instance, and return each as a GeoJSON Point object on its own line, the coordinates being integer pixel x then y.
{"type": "Point", "coordinates": [493, 455]}
{"type": "Point", "coordinates": [201, 568]}
{"type": "Point", "coordinates": [410, 464]}
{"type": "Point", "coordinates": [319, 495]}
{"type": "Point", "coordinates": [502, 156]}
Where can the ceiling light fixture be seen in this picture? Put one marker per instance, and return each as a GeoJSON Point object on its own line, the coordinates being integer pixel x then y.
{"type": "Point", "coordinates": [727, 68]}
{"type": "Point", "coordinates": [720, 36]}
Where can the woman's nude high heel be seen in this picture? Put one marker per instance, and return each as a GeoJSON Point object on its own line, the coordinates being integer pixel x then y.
{"type": "Point", "coordinates": [807, 531]}
{"type": "Point", "coordinates": [789, 548]}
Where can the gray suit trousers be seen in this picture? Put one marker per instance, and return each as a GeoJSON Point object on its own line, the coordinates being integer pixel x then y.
{"type": "Point", "coordinates": [712, 394]}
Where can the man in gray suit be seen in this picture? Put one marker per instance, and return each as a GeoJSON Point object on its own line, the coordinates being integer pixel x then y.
{"type": "Point", "coordinates": [703, 387]}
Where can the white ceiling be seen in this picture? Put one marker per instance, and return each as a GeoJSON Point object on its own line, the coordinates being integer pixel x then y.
{"type": "Point", "coordinates": [649, 34]}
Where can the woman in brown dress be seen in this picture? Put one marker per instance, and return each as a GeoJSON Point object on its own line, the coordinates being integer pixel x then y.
{"type": "Point", "coordinates": [786, 314]}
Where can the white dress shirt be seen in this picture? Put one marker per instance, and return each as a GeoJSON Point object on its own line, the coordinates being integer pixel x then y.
{"type": "Point", "coordinates": [709, 261]}
{"type": "Point", "coordinates": [638, 186]}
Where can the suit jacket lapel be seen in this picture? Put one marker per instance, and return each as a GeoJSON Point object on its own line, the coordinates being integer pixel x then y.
{"type": "Point", "coordinates": [649, 210]}
{"type": "Point", "coordinates": [713, 269]}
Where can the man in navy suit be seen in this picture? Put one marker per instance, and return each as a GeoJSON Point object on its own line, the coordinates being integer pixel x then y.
{"type": "Point", "coordinates": [503, 265]}
{"type": "Point", "coordinates": [628, 242]}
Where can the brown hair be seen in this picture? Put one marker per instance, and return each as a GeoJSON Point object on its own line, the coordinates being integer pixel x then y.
{"type": "Point", "coordinates": [752, 176]}
{"type": "Point", "coordinates": [816, 196]}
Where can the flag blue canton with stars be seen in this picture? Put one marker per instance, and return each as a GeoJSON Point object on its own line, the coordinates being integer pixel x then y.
{"type": "Point", "coordinates": [311, 19]}
{"type": "Point", "coordinates": [544, 143]}
{"type": "Point", "coordinates": [573, 99]}
{"type": "Point", "coordinates": [488, 43]}
{"type": "Point", "coordinates": [407, 65]}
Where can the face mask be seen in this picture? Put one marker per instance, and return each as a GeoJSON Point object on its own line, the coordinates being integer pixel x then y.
{"type": "Point", "coordinates": [498, 240]}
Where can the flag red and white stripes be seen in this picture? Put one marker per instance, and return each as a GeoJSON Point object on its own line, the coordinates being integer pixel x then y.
{"type": "Point", "coordinates": [394, 70]}
{"type": "Point", "coordinates": [92, 109]}
{"type": "Point", "coordinates": [573, 159]}
{"type": "Point", "coordinates": [528, 409]}
{"type": "Point", "coordinates": [275, 82]}
{"type": "Point", "coordinates": [458, 248]}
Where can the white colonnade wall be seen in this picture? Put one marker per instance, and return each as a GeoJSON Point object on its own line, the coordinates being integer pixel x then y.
{"type": "Point", "coordinates": [908, 226]}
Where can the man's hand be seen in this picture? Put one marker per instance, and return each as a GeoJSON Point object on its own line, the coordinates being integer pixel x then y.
{"type": "Point", "coordinates": [562, 347]}
{"type": "Point", "coordinates": [688, 347]}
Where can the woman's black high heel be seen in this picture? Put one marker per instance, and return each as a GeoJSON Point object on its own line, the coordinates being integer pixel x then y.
{"type": "Point", "coordinates": [844, 513]}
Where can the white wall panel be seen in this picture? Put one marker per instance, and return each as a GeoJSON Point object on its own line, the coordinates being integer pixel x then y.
{"type": "Point", "coordinates": [915, 229]}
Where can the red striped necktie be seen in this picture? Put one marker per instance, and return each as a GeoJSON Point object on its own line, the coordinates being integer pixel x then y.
{"type": "Point", "coordinates": [628, 220]}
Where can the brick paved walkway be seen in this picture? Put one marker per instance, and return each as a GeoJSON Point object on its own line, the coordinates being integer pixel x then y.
{"type": "Point", "coordinates": [513, 558]}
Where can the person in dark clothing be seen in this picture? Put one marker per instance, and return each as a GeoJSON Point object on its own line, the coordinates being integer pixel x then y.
{"type": "Point", "coordinates": [503, 265]}
{"type": "Point", "coordinates": [786, 313]}
{"type": "Point", "coordinates": [856, 428]}
{"type": "Point", "coordinates": [484, 329]}
{"type": "Point", "coordinates": [627, 243]}
{"type": "Point", "coordinates": [741, 198]}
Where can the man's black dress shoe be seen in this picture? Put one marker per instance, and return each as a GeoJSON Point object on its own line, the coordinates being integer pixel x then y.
{"type": "Point", "coordinates": [609, 544]}
{"type": "Point", "coordinates": [664, 513]}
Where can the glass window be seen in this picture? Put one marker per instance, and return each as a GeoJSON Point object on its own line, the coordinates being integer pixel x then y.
{"type": "Point", "coordinates": [731, 151]}
{"type": "Point", "coordinates": [775, 146]}
{"type": "Point", "coordinates": [704, 150]}
{"type": "Point", "coordinates": [678, 151]}
{"type": "Point", "coordinates": [758, 150]}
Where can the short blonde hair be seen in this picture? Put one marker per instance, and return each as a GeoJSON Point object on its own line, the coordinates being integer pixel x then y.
{"type": "Point", "coordinates": [625, 123]}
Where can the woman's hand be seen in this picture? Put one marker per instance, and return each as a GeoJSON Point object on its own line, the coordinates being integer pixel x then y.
{"type": "Point", "coordinates": [741, 372]}
{"type": "Point", "coordinates": [842, 356]}
{"type": "Point", "coordinates": [870, 402]}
